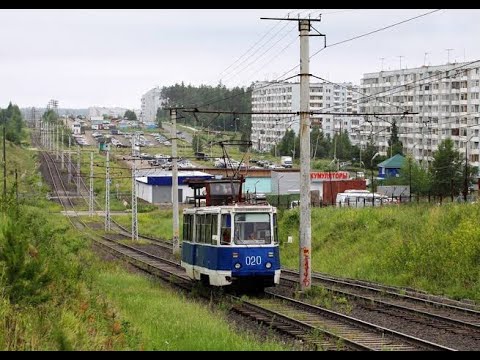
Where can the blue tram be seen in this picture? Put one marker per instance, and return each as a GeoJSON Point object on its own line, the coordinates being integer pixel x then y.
{"type": "Point", "coordinates": [230, 241]}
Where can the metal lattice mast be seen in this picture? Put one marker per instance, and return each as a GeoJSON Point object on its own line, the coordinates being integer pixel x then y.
{"type": "Point", "coordinates": [69, 162]}
{"type": "Point", "coordinates": [90, 195]}
{"type": "Point", "coordinates": [63, 155]}
{"type": "Point", "coordinates": [46, 136]}
{"type": "Point", "coordinates": [50, 137]}
{"type": "Point", "coordinates": [134, 202]}
{"type": "Point", "coordinates": [56, 141]}
{"type": "Point", "coordinates": [78, 169]}
{"type": "Point", "coordinates": [107, 193]}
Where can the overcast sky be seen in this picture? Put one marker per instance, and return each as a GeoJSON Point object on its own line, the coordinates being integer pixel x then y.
{"type": "Point", "coordinates": [107, 57]}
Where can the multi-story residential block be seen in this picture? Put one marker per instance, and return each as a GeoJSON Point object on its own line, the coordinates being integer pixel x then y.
{"type": "Point", "coordinates": [151, 101]}
{"type": "Point", "coordinates": [268, 130]}
{"type": "Point", "coordinates": [446, 98]}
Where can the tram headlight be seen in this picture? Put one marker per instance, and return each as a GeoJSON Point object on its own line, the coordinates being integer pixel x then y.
{"type": "Point", "coordinates": [268, 265]}
{"type": "Point", "coordinates": [238, 265]}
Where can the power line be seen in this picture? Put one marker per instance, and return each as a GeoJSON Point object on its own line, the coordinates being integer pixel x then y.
{"type": "Point", "coordinates": [375, 31]}
{"type": "Point", "coordinates": [245, 53]}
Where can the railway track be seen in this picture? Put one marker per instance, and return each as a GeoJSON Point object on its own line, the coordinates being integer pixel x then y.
{"type": "Point", "coordinates": [462, 324]}
{"type": "Point", "coordinates": [120, 228]}
{"type": "Point", "coordinates": [329, 330]}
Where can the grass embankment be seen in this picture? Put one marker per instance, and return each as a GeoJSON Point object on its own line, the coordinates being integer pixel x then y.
{"type": "Point", "coordinates": [434, 248]}
{"type": "Point", "coordinates": [157, 223]}
{"type": "Point", "coordinates": [168, 321]}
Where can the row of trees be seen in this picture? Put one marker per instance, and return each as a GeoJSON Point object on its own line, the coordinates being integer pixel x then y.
{"type": "Point", "coordinates": [205, 97]}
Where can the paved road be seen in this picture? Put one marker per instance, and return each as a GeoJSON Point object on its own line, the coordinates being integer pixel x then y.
{"type": "Point", "coordinates": [168, 128]}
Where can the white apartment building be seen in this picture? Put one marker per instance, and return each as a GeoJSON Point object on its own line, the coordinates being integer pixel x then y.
{"type": "Point", "coordinates": [268, 130]}
{"type": "Point", "coordinates": [446, 97]}
{"type": "Point", "coordinates": [151, 101]}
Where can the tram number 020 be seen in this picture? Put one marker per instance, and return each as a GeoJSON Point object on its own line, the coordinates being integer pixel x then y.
{"type": "Point", "coordinates": [253, 260]}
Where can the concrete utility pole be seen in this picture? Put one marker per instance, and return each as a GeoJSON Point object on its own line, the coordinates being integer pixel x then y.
{"type": "Point", "coordinates": [69, 165]}
{"type": "Point", "coordinates": [134, 196]}
{"type": "Point", "coordinates": [176, 242]}
{"type": "Point", "coordinates": [107, 192]}
{"type": "Point", "coordinates": [304, 26]}
{"type": "Point", "coordinates": [46, 135]}
{"type": "Point", "coordinates": [90, 193]}
{"type": "Point", "coordinates": [78, 169]}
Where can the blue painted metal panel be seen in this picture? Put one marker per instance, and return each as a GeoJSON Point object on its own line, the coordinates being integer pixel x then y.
{"type": "Point", "coordinates": [167, 180]}
{"type": "Point", "coordinates": [251, 259]}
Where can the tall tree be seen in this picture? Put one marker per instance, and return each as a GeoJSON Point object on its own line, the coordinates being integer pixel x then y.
{"type": "Point", "coordinates": [446, 170]}
{"type": "Point", "coordinates": [50, 116]}
{"type": "Point", "coordinates": [286, 145]}
{"type": "Point", "coordinates": [197, 144]}
{"type": "Point", "coordinates": [412, 174]}
{"type": "Point", "coordinates": [368, 154]}
{"type": "Point", "coordinates": [319, 143]}
{"type": "Point", "coordinates": [130, 115]}
{"type": "Point", "coordinates": [342, 146]}
{"type": "Point", "coordinates": [159, 117]}
{"type": "Point", "coordinates": [14, 123]}
{"type": "Point", "coordinates": [395, 146]}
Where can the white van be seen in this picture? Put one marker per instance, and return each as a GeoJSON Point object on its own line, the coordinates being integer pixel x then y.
{"type": "Point", "coordinates": [360, 198]}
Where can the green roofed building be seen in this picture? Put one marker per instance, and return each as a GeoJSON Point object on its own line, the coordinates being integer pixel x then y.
{"type": "Point", "coordinates": [390, 167]}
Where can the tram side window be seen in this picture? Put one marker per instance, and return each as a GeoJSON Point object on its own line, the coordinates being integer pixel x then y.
{"type": "Point", "coordinates": [226, 229]}
{"type": "Point", "coordinates": [203, 236]}
{"type": "Point", "coordinates": [275, 229]}
{"type": "Point", "coordinates": [214, 223]}
{"type": "Point", "coordinates": [208, 228]}
{"type": "Point", "coordinates": [198, 229]}
{"type": "Point", "coordinates": [187, 227]}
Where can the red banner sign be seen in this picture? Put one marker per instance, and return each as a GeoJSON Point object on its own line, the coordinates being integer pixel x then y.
{"type": "Point", "coordinates": [334, 175]}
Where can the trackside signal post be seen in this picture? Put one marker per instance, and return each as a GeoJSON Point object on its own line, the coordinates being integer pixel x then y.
{"type": "Point", "coordinates": [304, 26]}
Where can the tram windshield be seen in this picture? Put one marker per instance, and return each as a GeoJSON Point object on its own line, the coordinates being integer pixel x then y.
{"type": "Point", "coordinates": [252, 229]}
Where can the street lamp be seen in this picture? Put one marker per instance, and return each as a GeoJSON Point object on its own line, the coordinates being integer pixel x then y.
{"type": "Point", "coordinates": [373, 190]}
{"type": "Point", "coordinates": [278, 190]}
{"type": "Point", "coordinates": [465, 186]}
{"type": "Point", "coordinates": [410, 166]}
{"type": "Point", "coordinates": [255, 185]}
